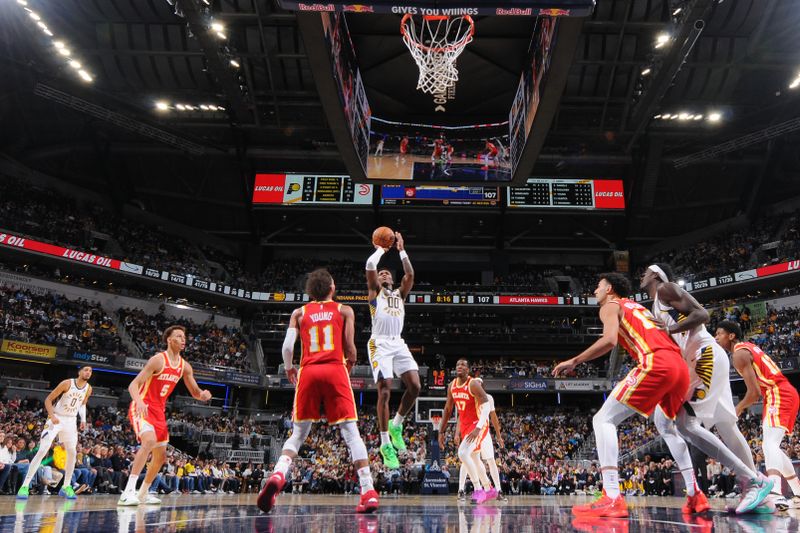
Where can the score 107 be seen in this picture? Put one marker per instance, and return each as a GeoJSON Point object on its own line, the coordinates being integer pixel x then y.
{"type": "Point", "coordinates": [463, 299]}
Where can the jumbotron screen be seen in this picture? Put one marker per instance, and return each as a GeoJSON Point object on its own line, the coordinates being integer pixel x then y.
{"type": "Point", "coordinates": [545, 193]}
{"type": "Point", "coordinates": [309, 189]}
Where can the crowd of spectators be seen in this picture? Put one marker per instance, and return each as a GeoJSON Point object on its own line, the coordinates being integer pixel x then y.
{"type": "Point", "coordinates": [206, 344]}
{"type": "Point", "coordinates": [767, 240]}
{"type": "Point", "coordinates": [52, 319]}
{"type": "Point", "coordinates": [503, 367]}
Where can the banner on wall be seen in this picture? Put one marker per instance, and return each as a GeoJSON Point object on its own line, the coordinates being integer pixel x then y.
{"type": "Point", "coordinates": [27, 348]}
{"type": "Point", "coordinates": [90, 358]}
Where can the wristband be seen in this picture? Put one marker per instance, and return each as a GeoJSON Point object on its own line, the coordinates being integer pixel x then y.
{"type": "Point", "coordinates": [403, 255]}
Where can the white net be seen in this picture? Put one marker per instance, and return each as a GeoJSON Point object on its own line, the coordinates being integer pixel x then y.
{"type": "Point", "coordinates": [435, 42]}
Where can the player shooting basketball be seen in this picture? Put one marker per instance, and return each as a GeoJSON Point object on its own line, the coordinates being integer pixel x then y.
{"type": "Point", "coordinates": [388, 354]}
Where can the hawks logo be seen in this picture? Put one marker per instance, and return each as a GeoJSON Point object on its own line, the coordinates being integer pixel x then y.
{"type": "Point", "coordinates": [630, 381]}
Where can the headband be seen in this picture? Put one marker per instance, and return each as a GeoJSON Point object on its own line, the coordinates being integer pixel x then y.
{"type": "Point", "coordinates": [661, 274]}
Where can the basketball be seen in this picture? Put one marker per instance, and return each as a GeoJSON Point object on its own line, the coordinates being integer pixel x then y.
{"type": "Point", "coordinates": [383, 237]}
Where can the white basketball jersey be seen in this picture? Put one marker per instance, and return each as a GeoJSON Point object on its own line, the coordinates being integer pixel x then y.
{"type": "Point", "coordinates": [388, 313]}
{"type": "Point", "coordinates": [71, 400]}
{"type": "Point", "coordinates": [690, 342]}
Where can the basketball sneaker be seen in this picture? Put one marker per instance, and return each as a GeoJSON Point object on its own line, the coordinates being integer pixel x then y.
{"type": "Point", "coordinates": [389, 456]}
{"type": "Point", "coordinates": [757, 491]}
{"type": "Point", "coordinates": [478, 496]}
{"type": "Point", "coordinates": [780, 501]}
{"type": "Point", "coordinates": [23, 493]}
{"type": "Point", "coordinates": [501, 497]}
{"type": "Point", "coordinates": [491, 494]}
{"type": "Point", "coordinates": [267, 496]}
{"type": "Point", "coordinates": [462, 496]}
{"type": "Point", "coordinates": [696, 504]}
{"type": "Point", "coordinates": [128, 499]}
{"type": "Point", "coordinates": [795, 502]}
{"type": "Point", "coordinates": [368, 503]}
{"type": "Point", "coordinates": [149, 499]}
{"type": "Point", "coordinates": [592, 524]}
{"type": "Point", "coordinates": [396, 434]}
{"type": "Point", "coordinates": [603, 507]}
{"type": "Point", "coordinates": [68, 492]}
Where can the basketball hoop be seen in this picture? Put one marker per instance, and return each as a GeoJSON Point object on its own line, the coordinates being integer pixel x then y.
{"type": "Point", "coordinates": [435, 42]}
{"type": "Point", "coordinates": [436, 421]}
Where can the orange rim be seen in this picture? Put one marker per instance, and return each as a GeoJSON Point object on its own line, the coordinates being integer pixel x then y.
{"type": "Point", "coordinates": [465, 40]}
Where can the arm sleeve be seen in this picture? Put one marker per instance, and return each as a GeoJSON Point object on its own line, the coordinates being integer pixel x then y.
{"type": "Point", "coordinates": [372, 261]}
{"type": "Point", "coordinates": [82, 413]}
{"type": "Point", "coordinates": [288, 348]}
{"type": "Point", "coordinates": [483, 416]}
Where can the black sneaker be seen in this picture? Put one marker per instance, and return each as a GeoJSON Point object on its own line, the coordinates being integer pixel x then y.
{"type": "Point", "coordinates": [462, 496]}
{"type": "Point", "coordinates": [501, 497]}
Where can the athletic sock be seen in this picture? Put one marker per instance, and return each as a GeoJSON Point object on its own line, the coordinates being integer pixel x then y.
{"type": "Point", "coordinates": [283, 465]}
{"type": "Point", "coordinates": [385, 438]}
{"type": "Point", "coordinates": [611, 482]}
{"type": "Point", "coordinates": [690, 481]}
{"type": "Point", "coordinates": [365, 479]}
{"type": "Point", "coordinates": [776, 487]}
{"type": "Point", "coordinates": [398, 419]}
{"type": "Point", "coordinates": [143, 488]}
{"type": "Point", "coordinates": [130, 488]}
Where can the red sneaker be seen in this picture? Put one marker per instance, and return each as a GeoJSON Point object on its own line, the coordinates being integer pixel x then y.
{"type": "Point", "coordinates": [696, 504]}
{"type": "Point", "coordinates": [266, 498]}
{"type": "Point", "coordinates": [603, 506]}
{"type": "Point", "coordinates": [591, 524]}
{"type": "Point", "coordinates": [368, 503]}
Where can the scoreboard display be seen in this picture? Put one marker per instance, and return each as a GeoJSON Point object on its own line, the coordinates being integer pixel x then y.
{"type": "Point", "coordinates": [432, 195]}
{"type": "Point", "coordinates": [568, 193]}
{"type": "Point", "coordinates": [309, 189]}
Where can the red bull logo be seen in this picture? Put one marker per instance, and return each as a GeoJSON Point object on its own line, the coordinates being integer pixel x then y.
{"type": "Point", "coordinates": [358, 8]}
{"type": "Point", "coordinates": [554, 12]}
{"type": "Point", "coordinates": [515, 11]}
{"type": "Point", "coordinates": [316, 7]}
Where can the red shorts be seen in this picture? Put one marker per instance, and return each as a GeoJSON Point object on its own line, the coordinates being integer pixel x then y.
{"type": "Point", "coordinates": [155, 421]}
{"type": "Point", "coordinates": [780, 407]}
{"type": "Point", "coordinates": [481, 436]}
{"type": "Point", "coordinates": [326, 385]}
{"type": "Point", "coordinates": [664, 384]}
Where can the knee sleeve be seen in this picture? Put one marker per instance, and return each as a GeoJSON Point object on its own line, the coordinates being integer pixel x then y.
{"type": "Point", "coordinates": [771, 444]}
{"type": "Point", "coordinates": [351, 436]}
{"type": "Point", "coordinates": [300, 433]}
{"type": "Point", "coordinates": [465, 451]}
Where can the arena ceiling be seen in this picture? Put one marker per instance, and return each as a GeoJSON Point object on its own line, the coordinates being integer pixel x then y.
{"type": "Point", "coordinates": [108, 135]}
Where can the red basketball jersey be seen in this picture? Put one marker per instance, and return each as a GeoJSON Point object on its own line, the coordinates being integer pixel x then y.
{"type": "Point", "coordinates": [639, 334]}
{"type": "Point", "coordinates": [768, 374]}
{"type": "Point", "coordinates": [158, 387]}
{"type": "Point", "coordinates": [466, 404]}
{"type": "Point", "coordinates": [322, 334]}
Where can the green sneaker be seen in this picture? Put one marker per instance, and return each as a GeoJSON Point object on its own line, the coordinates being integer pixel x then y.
{"type": "Point", "coordinates": [23, 493]}
{"type": "Point", "coordinates": [396, 434]}
{"type": "Point", "coordinates": [389, 456]}
{"type": "Point", "coordinates": [68, 492]}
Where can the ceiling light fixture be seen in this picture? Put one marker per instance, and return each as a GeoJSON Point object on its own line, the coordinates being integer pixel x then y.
{"type": "Point", "coordinates": [715, 116]}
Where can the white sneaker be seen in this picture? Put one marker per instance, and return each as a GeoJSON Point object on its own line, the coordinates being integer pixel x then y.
{"type": "Point", "coordinates": [128, 499]}
{"type": "Point", "coordinates": [781, 503]}
{"type": "Point", "coordinates": [149, 499]}
{"type": "Point", "coordinates": [795, 502]}
{"type": "Point", "coordinates": [195, 492]}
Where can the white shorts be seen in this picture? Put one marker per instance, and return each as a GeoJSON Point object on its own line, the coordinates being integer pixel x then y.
{"type": "Point", "coordinates": [710, 392]}
{"type": "Point", "coordinates": [389, 357]}
{"type": "Point", "coordinates": [66, 430]}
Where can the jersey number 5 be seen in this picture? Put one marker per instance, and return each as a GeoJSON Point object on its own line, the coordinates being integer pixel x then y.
{"type": "Point", "coordinates": [165, 390]}
{"type": "Point", "coordinates": [327, 339]}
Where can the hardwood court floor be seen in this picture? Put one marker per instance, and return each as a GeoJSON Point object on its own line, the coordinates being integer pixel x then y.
{"type": "Point", "coordinates": [398, 514]}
